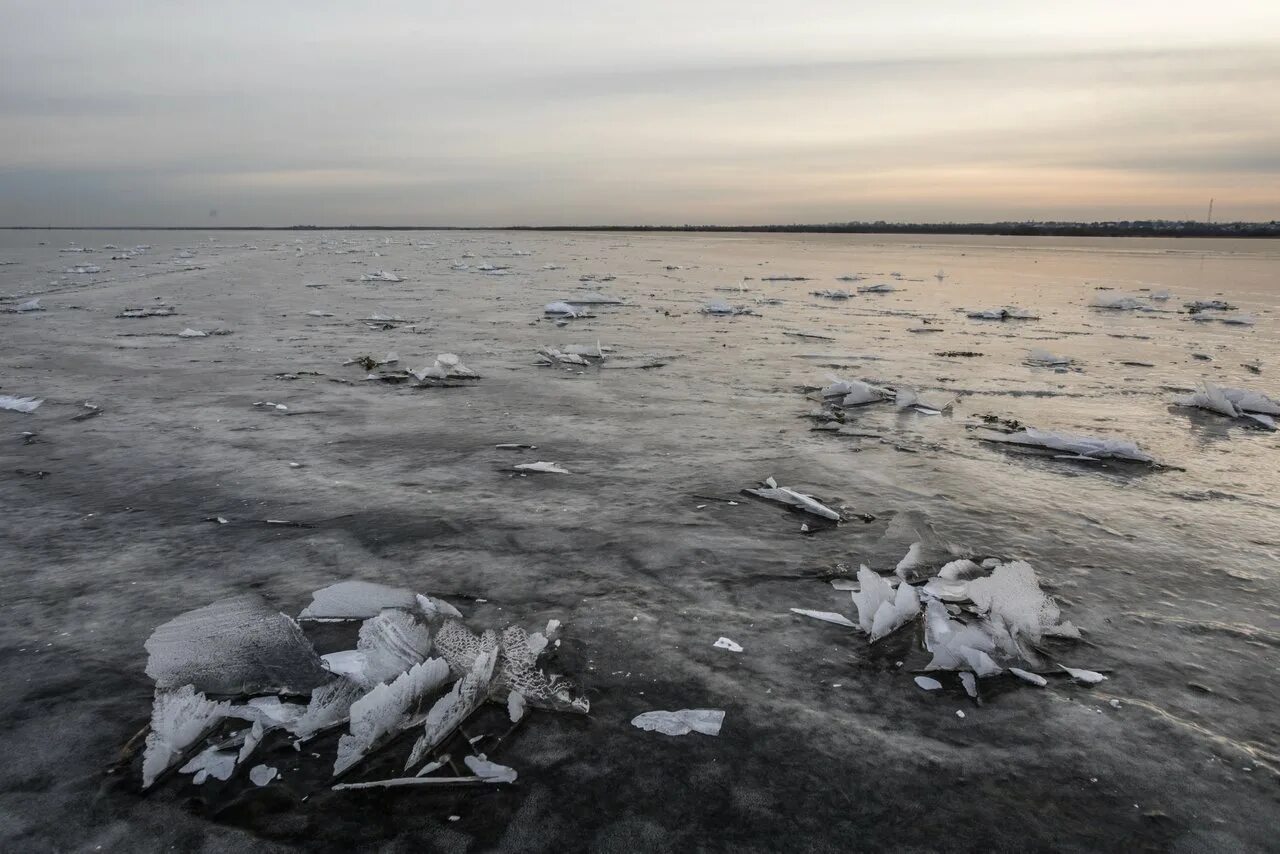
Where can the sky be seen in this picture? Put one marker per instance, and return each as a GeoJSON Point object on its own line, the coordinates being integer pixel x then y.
{"type": "Point", "coordinates": [175, 112]}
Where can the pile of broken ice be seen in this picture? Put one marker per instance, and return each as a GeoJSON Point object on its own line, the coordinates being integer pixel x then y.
{"type": "Point", "coordinates": [238, 672]}
{"type": "Point", "coordinates": [980, 620]}
{"type": "Point", "coordinates": [1252, 406]}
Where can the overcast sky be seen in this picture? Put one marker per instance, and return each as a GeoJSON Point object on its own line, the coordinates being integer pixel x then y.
{"type": "Point", "coordinates": [171, 112]}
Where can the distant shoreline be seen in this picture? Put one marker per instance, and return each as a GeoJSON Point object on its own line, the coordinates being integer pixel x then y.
{"type": "Point", "coordinates": [1136, 228]}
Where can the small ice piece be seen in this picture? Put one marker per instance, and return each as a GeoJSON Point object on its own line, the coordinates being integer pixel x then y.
{"type": "Point", "coordinates": [380, 276]}
{"type": "Point", "coordinates": [725, 643]}
{"type": "Point", "coordinates": [179, 719]}
{"type": "Point", "coordinates": [83, 269]}
{"type": "Point", "coordinates": [681, 722]}
{"type": "Point", "coordinates": [317, 313]}
{"type": "Point", "coordinates": [884, 288]}
{"type": "Point", "coordinates": [1251, 401]}
{"type": "Point", "coordinates": [1084, 447]}
{"type": "Point", "coordinates": [19, 404]}
{"type": "Point", "coordinates": [956, 646]}
{"type": "Point", "coordinates": [515, 706]}
{"type": "Point", "coordinates": [435, 608]}
{"type": "Point", "coordinates": [593, 298]}
{"type": "Point", "coordinates": [251, 741]}
{"type": "Point", "coordinates": [970, 683]}
{"type": "Point", "coordinates": [553, 626]}
{"type": "Point", "coordinates": [959, 714]}
{"type": "Point", "coordinates": [356, 600]}
{"type": "Point", "coordinates": [873, 592]}
{"type": "Point", "coordinates": [1028, 676]}
{"type": "Point", "coordinates": [261, 775]}
{"type": "Point", "coordinates": [192, 333]}
{"type": "Point", "coordinates": [560, 309]}
{"type": "Point", "coordinates": [238, 645]}
{"type": "Point", "coordinates": [855, 392]}
{"type": "Point", "coordinates": [30, 305]}
{"type": "Point", "coordinates": [1117, 302]}
{"type": "Point", "coordinates": [1161, 295]}
{"type": "Point", "coordinates": [826, 616]}
{"type": "Point", "coordinates": [490, 772]}
{"type": "Point", "coordinates": [910, 561]}
{"type": "Point", "coordinates": [270, 712]}
{"type": "Point", "coordinates": [1088, 677]}
{"type": "Point", "coordinates": [446, 366]}
{"type": "Point", "coordinates": [1040, 356]}
{"type": "Point", "coordinates": [385, 710]}
{"type": "Point", "coordinates": [720, 307]}
{"type": "Point", "coordinates": [549, 467]}
{"type": "Point", "coordinates": [210, 762]}
{"type": "Point", "coordinates": [783, 495]}
{"type": "Point", "coordinates": [928, 684]}
{"type": "Point", "coordinates": [891, 616]}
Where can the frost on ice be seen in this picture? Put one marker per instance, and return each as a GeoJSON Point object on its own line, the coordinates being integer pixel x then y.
{"type": "Point", "coordinates": [238, 645]}
{"type": "Point", "coordinates": [179, 720]}
{"type": "Point", "coordinates": [385, 710]}
{"type": "Point", "coordinates": [681, 722]}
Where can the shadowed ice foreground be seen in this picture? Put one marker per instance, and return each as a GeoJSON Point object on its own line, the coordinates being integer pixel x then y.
{"type": "Point", "coordinates": [833, 566]}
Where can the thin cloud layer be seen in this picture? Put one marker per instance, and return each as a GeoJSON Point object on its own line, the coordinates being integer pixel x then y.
{"type": "Point", "coordinates": [427, 113]}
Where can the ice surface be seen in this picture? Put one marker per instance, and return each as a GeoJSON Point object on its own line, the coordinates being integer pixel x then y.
{"type": "Point", "coordinates": [681, 722]}
{"type": "Point", "coordinates": [826, 616]}
{"type": "Point", "coordinates": [385, 710]}
{"type": "Point", "coordinates": [19, 404]}
{"type": "Point", "coordinates": [467, 695]}
{"type": "Point", "coordinates": [356, 600]}
{"type": "Point", "coordinates": [541, 466]}
{"type": "Point", "coordinates": [238, 645]}
{"type": "Point", "coordinates": [490, 772]}
{"type": "Point", "coordinates": [725, 643]}
{"type": "Point", "coordinates": [179, 719]}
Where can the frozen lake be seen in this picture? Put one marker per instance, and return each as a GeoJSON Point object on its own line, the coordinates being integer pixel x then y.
{"type": "Point", "coordinates": [1170, 572]}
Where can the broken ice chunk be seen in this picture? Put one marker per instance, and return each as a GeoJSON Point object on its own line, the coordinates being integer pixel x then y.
{"type": "Point", "coordinates": [330, 705]}
{"type": "Point", "coordinates": [515, 706]}
{"type": "Point", "coordinates": [385, 710]}
{"type": "Point", "coordinates": [19, 404]}
{"type": "Point", "coordinates": [956, 646]}
{"type": "Point", "coordinates": [560, 308]}
{"type": "Point", "coordinates": [356, 600]}
{"type": "Point", "coordinates": [681, 722]}
{"type": "Point", "coordinates": [783, 495]}
{"type": "Point", "coordinates": [970, 683]}
{"type": "Point", "coordinates": [261, 775]}
{"type": "Point", "coordinates": [1040, 356]}
{"type": "Point", "coordinates": [490, 772]}
{"type": "Point", "coordinates": [1083, 447]}
{"type": "Point", "coordinates": [446, 366]}
{"type": "Point", "coordinates": [179, 720]}
{"type": "Point", "coordinates": [1088, 677]}
{"type": "Point", "coordinates": [826, 616]}
{"type": "Point", "coordinates": [30, 305]}
{"type": "Point", "coordinates": [238, 645]}
{"type": "Point", "coordinates": [210, 762]}
{"type": "Point", "coordinates": [380, 276]}
{"type": "Point", "coordinates": [855, 392]}
{"type": "Point", "coordinates": [467, 694]}
{"type": "Point", "coordinates": [910, 561]}
{"type": "Point", "coordinates": [541, 466]}
{"type": "Point", "coordinates": [1028, 676]}
{"type": "Point", "coordinates": [882, 611]}
{"type": "Point", "coordinates": [389, 644]}
{"type": "Point", "coordinates": [192, 333]}
{"type": "Point", "coordinates": [1018, 612]}
{"type": "Point", "coordinates": [873, 592]}
{"type": "Point", "coordinates": [1118, 302]}
{"type": "Point", "coordinates": [725, 643]}
{"type": "Point", "coordinates": [928, 684]}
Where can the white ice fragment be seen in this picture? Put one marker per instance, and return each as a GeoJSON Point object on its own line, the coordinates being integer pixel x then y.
{"type": "Point", "coordinates": [873, 592]}
{"type": "Point", "coordinates": [380, 276]}
{"type": "Point", "coordinates": [261, 775]}
{"type": "Point", "coordinates": [956, 646]}
{"type": "Point", "coordinates": [1040, 356]}
{"type": "Point", "coordinates": [783, 495]}
{"type": "Point", "coordinates": [1118, 302]}
{"type": "Point", "coordinates": [435, 608]}
{"type": "Point", "coordinates": [553, 626]}
{"type": "Point", "coordinates": [1088, 677]}
{"type": "Point", "coordinates": [389, 644]}
{"type": "Point", "coordinates": [270, 712]}
{"type": "Point", "coordinates": [542, 466]}
{"type": "Point", "coordinates": [855, 392]}
{"type": "Point", "coordinates": [910, 561]}
{"type": "Point", "coordinates": [884, 288]}
{"type": "Point", "coordinates": [1017, 611]}
{"type": "Point", "coordinates": [515, 706]}
{"type": "Point", "coordinates": [1084, 447]}
{"type": "Point", "coordinates": [356, 600]}
{"type": "Point", "coordinates": [1028, 676]}
{"type": "Point", "coordinates": [385, 710]}
{"type": "Point", "coordinates": [192, 333]}
{"type": "Point", "coordinates": [30, 305]}
{"type": "Point", "coordinates": [251, 741]}
{"type": "Point", "coordinates": [179, 719]}
{"type": "Point", "coordinates": [210, 762]}
{"type": "Point", "coordinates": [238, 645]}
{"type": "Point", "coordinates": [826, 617]}
{"type": "Point", "coordinates": [725, 643]}
{"type": "Point", "coordinates": [330, 705]}
{"type": "Point", "coordinates": [927, 683]}
{"type": "Point", "coordinates": [560, 308]}
{"type": "Point", "coordinates": [970, 683]}
{"type": "Point", "coordinates": [318, 313]}
{"type": "Point", "coordinates": [681, 722]}
{"type": "Point", "coordinates": [19, 404]}
{"type": "Point", "coordinates": [490, 772]}
{"type": "Point", "coordinates": [891, 616]}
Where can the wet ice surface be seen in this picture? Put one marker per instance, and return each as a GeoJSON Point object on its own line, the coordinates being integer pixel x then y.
{"type": "Point", "coordinates": [1169, 574]}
